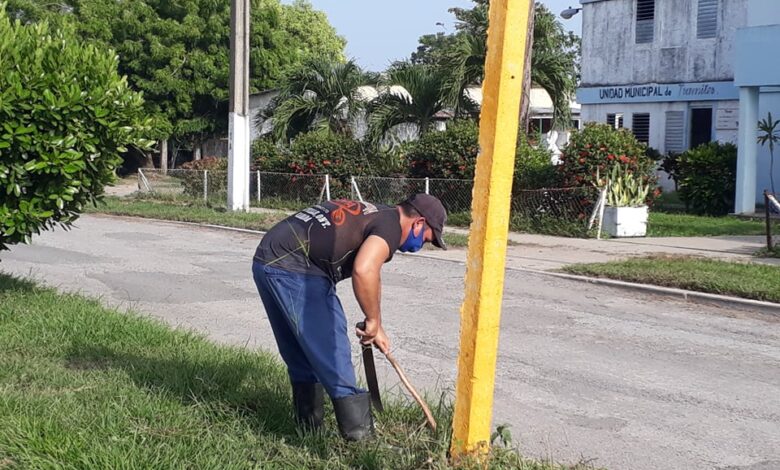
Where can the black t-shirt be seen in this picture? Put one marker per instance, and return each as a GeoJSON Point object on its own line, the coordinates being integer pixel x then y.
{"type": "Point", "coordinates": [324, 240]}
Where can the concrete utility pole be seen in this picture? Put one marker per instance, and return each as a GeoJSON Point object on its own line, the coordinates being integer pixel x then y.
{"type": "Point", "coordinates": [481, 310]}
{"type": "Point", "coordinates": [238, 130]}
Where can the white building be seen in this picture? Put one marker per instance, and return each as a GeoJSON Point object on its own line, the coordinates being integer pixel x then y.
{"type": "Point", "coordinates": [666, 69]}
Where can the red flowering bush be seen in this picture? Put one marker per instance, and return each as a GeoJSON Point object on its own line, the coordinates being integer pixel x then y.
{"type": "Point", "coordinates": [593, 151]}
{"type": "Point", "coordinates": [324, 152]}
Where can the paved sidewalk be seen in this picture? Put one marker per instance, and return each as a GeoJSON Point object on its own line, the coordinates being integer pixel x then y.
{"type": "Point", "coordinates": [545, 252]}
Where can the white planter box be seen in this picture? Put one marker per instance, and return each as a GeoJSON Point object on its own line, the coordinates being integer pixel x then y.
{"type": "Point", "coordinates": [625, 221]}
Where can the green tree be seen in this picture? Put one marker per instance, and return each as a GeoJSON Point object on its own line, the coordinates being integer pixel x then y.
{"type": "Point", "coordinates": [319, 94]}
{"type": "Point", "coordinates": [177, 52]}
{"type": "Point", "coordinates": [431, 47]}
{"type": "Point", "coordinates": [309, 35]}
{"type": "Point", "coordinates": [66, 115]}
{"type": "Point", "coordinates": [554, 59]}
{"type": "Point", "coordinates": [769, 133]}
{"type": "Point", "coordinates": [415, 104]}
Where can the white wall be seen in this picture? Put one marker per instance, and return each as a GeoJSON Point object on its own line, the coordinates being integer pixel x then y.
{"type": "Point", "coordinates": [611, 56]}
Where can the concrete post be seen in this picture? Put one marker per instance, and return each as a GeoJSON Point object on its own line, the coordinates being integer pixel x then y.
{"type": "Point", "coordinates": [238, 119]}
{"type": "Point", "coordinates": [481, 310]}
{"type": "Point", "coordinates": [747, 156]}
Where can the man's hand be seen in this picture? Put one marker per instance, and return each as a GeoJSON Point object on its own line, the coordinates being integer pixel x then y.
{"type": "Point", "coordinates": [373, 333]}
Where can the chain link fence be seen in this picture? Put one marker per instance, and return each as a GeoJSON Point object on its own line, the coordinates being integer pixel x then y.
{"type": "Point", "coordinates": [560, 211]}
{"type": "Point", "coordinates": [277, 190]}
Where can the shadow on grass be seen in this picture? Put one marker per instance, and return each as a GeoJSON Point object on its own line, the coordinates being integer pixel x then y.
{"type": "Point", "coordinates": [15, 284]}
{"type": "Point", "coordinates": [253, 391]}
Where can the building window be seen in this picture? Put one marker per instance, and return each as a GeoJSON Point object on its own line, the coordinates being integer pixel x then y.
{"type": "Point", "coordinates": [645, 21]}
{"type": "Point", "coordinates": [707, 19]}
{"type": "Point", "coordinates": [701, 126]}
{"type": "Point", "coordinates": [674, 140]}
{"type": "Point", "coordinates": [641, 127]}
{"type": "Point", "coordinates": [539, 125]}
{"type": "Point", "coordinates": [615, 120]}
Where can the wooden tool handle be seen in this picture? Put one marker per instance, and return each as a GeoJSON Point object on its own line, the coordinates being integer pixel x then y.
{"type": "Point", "coordinates": [408, 385]}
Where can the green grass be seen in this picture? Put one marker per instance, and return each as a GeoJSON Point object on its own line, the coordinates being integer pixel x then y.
{"type": "Point", "coordinates": [661, 224]}
{"type": "Point", "coordinates": [187, 210]}
{"type": "Point", "coordinates": [82, 386]}
{"type": "Point", "coordinates": [747, 280]}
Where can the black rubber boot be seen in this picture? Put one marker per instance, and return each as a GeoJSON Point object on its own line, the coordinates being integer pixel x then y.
{"type": "Point", "coordinates": [353, 414]}
{"type": "Point", "coordinates": [308, 401]}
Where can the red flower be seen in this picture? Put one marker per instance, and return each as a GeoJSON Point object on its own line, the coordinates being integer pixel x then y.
{"type": "Point", "coordinates": [624, 159]}
{"type": "Point", "coordinates": [326, 162]}
{"type": "Point", "coordinates": [610, 157]}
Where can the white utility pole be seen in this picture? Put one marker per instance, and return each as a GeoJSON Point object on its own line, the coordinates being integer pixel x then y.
{"type": "Point", "coordinates": [238, 125]}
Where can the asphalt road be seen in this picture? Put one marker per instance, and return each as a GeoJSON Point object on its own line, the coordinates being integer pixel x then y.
{"type": "Point", "coordinates": [623, 379]}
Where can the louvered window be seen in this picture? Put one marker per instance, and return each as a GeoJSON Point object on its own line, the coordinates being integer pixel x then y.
{"type": "Point", "coordinates": [674, 141]}
{"type": "Point", "coordinates": [707, 19]}
{"type": "Point", "coordinates": [615, 120]}
{"type": "Point", "coordinates": [645, 21]}
{"type": "Point", "coordinates": [641, 127]}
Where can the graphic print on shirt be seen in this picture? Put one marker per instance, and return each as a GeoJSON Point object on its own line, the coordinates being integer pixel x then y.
{"type": "Point", "coordinates": [324, 239]}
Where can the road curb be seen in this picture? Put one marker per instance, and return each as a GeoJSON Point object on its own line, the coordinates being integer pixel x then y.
{"type": "Point", "coordinates": [770, 308]}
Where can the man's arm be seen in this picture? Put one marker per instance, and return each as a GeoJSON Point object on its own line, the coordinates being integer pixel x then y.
{"type": "Point", "coordinates": [366, 282]}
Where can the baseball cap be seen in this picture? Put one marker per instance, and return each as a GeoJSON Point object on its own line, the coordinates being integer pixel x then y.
{"type": "Point", "coordinates": [435, 215]}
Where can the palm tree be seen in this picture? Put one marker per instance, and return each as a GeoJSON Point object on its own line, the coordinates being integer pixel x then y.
{"type": "Point", "coordinates": [770, 134]}
{"type": "Point", "coordinates": [410, 94]}
{"type": "Point", "coordinates": [553, 59]}
{"type": "Point", "coordinates": [463, 66]}
{"type": "Point", "coordinates": [553, 63]}
{"type": "Point", "coordinates": [319, 95]}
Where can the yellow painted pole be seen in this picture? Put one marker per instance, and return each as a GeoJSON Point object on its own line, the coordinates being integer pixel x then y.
{"type": "Point", "coordinates": [481, 310]}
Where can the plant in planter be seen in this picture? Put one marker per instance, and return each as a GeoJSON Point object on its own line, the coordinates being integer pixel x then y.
{"type": "Point", "coordinates": [625, 214]}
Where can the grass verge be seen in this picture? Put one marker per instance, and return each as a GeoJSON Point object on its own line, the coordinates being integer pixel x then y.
{"type": "Point", "coordinates": [82, 386]}
{"type": "Point", "coordinates": [747, 280]}
{"type": "Point", "coordinates": [661, 224]}
{"type": "Point", "coordinates": [187, 210]}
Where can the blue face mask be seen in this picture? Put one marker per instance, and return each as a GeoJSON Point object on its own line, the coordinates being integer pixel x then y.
{"type": "Point", "coordinates": [413, 242]}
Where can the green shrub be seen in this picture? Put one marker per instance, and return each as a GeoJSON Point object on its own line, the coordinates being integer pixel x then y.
{"type": "Point", "coordinates": [534, 168]}
{"type": "Point", "coordinates": [706, 178]}
{"type": "Point", "coordinates": [66, 116]}
{"type": "Point", "coordinates": [268, 156]}
{"type": "Point", "coordinates": [326, 152]}
{"type": "Point", "coordinates": [192, 181]}
{"type": "Point", "coordinates": [450, 154]}
{"type": "Point", "coordinates": [593, 151]}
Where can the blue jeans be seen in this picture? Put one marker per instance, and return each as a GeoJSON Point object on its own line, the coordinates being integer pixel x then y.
{"type": "Point", "coordinates": [310, 328]}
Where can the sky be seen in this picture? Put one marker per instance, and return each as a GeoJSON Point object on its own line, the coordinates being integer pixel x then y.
{"type": "Point", "coordinates": [379, 32]}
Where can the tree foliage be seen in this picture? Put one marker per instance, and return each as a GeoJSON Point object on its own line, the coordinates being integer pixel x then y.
{"type": "Point", "coordinates": [415, 104]}
{"type": "Point", "coordinates": [66, 115]}
{"type": "Point", "coordinates": [177, 53]}
{"type": "Point", "coordinates": [554, 60]}
{"type": "Point", "coordinates": [321, 94]}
